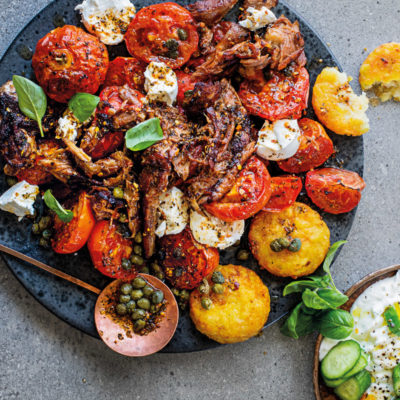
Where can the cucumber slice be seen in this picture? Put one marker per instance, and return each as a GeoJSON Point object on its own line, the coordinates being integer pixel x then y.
{"type": "Point", "coordinates": [355, 387]}
{"type": "Point", "coordinates": [361, 364]}
{"type": "Point", "coordinates": [333, 383]}
{"type": "Point", "coordinates": [341, 359]}
{"type": "Point", "coordinates": [396, 380]}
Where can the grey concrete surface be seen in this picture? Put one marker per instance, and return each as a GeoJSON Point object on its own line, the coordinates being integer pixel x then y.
{"type": "Point", "coordinates": [41, 357]}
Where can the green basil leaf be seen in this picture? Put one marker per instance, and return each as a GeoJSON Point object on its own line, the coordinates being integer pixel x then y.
{"type": "Point", "coordinates": [144, 135]}
{"type": "Point", "coordinates": [332, 296]}
{"type": "Point", "coordinates": [82, 105]}
{"type": "Point", "coordinates": [298, 323]}
{"type": "Point", "coordinates": [312, 300]}
{"type": "Point", "coordinates": [331, 254]}
{"type": "Point", "coordinates": [32, 100]}
{"type": "Point", "coordinates": [310, 311]}
{"type": "Point", "coordinates": [300, 286]}
{"type": "Point", "coordinates": [336, 324]}
{"type": "Point", "coordinates": [53, 204]}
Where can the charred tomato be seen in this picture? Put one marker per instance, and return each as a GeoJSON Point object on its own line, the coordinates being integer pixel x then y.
{"type": "Point", "coordinates": [285, 190]}
{"type": "Point", "coordinates": [126, 70]}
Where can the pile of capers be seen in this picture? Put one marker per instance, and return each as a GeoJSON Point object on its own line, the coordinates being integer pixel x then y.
{"type": "Point", "coordinates": [141, 301]}
{"type": "Point", "coordinates": [182, 297]}
{"type": "Point", "coordinates": [217, 287]}
{"type": "Point", "coordinates": [42, 228]}
{"type": "Point", "coordinates": [283, 243]}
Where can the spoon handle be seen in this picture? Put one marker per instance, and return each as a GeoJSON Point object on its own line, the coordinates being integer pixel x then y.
{"type": "Point", "coordinates": [49, 269]}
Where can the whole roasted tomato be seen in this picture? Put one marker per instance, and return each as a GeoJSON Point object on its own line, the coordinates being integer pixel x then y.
{"type": "Point", "coordinates": [67, 61]}
{"type": "Point", "coordinates": [334, 190]}
{"type": "Point", "coordinates": [126, 70]}
{"type": "Point", "coordinates": [107, 248]}
{"type": "Point", "coordinates": [283, 96]}
{"type": "Point", "coordinates": [185, 261]}
{"type": "Point", "coordinates": [248, 196]}
{"type": "Point", "coordinates": [163, 32]}
{"type": "Point", "coordinates": [285, 190]}
{"type": "Point", "coordinates": [72, 236]}
{"type": "Point", "coordinates": [315, 148]}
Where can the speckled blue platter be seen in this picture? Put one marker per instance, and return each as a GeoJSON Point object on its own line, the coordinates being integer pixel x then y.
{"type": "Point", "coordinates": [75, 305]}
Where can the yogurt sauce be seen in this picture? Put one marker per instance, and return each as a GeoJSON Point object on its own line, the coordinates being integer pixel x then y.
{"type": "Point", "coordinates": [374, 336]}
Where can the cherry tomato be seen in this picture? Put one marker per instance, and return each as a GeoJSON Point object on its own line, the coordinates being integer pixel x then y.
{"type": "Point", "coordinates": [126, 70]}
{"type": "Point", "coordinates": [163, 32]}
{"type": "Point", "coordinates": [185, 83]}
{"type": "Point", "coordinates": [67, 61]}
{"type": "Point", "coordinates": [72, 236]}
{"type": "Point", "coordinates": [186, 261]}
{"type": "Point", "coordinates": [107, 248]}
{"type": "Point", "coordinates": [334, 190]}
{"type": "Point", "coordinates": [248, 196]}
{"type": "Point", "coordinates": [107, 144]}
{"type": "Point", "coordinates": [281, 97]}
{"type": "Point", "coordinates": [285, 190]}
{"type": "Point", "coordinates": [315, 148]}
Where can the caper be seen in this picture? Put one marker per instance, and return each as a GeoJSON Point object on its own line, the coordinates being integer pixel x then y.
{"type": "Point", "coordinates": [138, 237]}
{"type": "Point", "coordinates": [155, 267]}
{"type": "Point", "coordinates": [182, 34]}
{"type": "Point", "coordinates": [175, 292]}
{"type": "Point", "coordinates": [121, 309]}
{"type": "Point", "coordinates": [242, 255]}
{"type": "Point", "coordinates": [123, 218]}
{"type": "Point", "coordinates": [206, 303]}
{"type": "Point", "coordinates": [172, 44]}
{"type": "Point", "coordinates": [284, 242]}
{"type": "Point", "coordinates": [118, 193]}
{"type": "Point", "coordinates": [124, 298]}
{"type": "Point", "coordinates": [137, 260]}
{"type": "Point", "coordinates": [218, 288]}
{"type": "Point", "coordinates": [157, 297]}
{"type": "Point", "coordinates": [143, 303]}
{"type": "Point", "coordinates": [136, 294]}
{"type": "Point", "coordinates": [145, 270]}
{"type": "Point", "coordinates": [184, 295]}
{"type": "Point", "coordinates": [35, 229]}
{"type": "Point", "coordinates": [153, 308]}
{"type": "Point", "coordinates": [47, 234]}
{"type": "Point", "coordinates": [217, 277]}
{"type": "Point", "coordinates": [276, 246]}
{"type": "Point", "coordinates": [140, 324]}
{"type": "Point", "coordinates": [11, 180]}
{"type": "Point", "coordinates": [138, 313]}
{"type": "Point", "coordinates": [44, 243]}
{"type": "Point", "coordinates": [160, 275]}
{"type": "Point", "coordinates": [295, 245]}
{"type": "Point", "coordinates": [126, 264]}
{"type": "Point", "coordinates": [173, 54]}
{"type": "Point", "coordinates": [44, 222]}
{"type": "Point", "coordinates": [188, 93]}
{"type": "Point", "coordinates": [126, 288]}
{"type": "Point", "coordinates": [130, 305]}
{"type": "Point", "coordinates": [138, 249]}
{"type": "Point", "coordinates": [138, 283]}
{"type": "Point", "coordinates": [148, 291]}
{"type": "Point", "coordinates": [204, 287]}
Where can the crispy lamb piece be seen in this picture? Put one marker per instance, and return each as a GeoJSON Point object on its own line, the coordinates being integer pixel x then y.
{"type": "Point", "coordinates": [210, 11]}
{"type": "Point", "coordinates": [104, 204]}
{"type": "Point", "coordinates": [260, 3]}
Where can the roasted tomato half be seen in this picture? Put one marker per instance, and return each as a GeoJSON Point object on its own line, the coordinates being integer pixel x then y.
{"type": "Point", "coordinates": [248, 196]}
{"type": "Point", "coordinates": [315, 148]}
{"type": "Point", "coordinates": [334, 190]}
{"type": "Point", "coordinates": [126, 70]}
{"type": "Point", "coordinates": [185, 84]}
{"type": "Point", "coordinates": [107, 248]}
{"type": "Point", "coordinates": [285, 190]}
{"type": "Point", "coordinates": [67, 61]}
{"type": "Point", "coordinates": [185, 261]}
{"type": "Point", "coordinates": [163, 32]}
{"type": "Point", "coordinates": [72, 236]}
{"type": "Point", "coordinates": [283, 96]}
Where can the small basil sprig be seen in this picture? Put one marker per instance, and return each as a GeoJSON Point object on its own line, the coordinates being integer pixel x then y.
{"type": "Point", "coordinates": [54, 205]}
{"type": "Point", "coordinates": [144, 135]}
{"type": "Point", "coordinates": [32, 100]}
{"type": "Point", "coordinates": [82, 105]}
{"type": "Point", "coordinates": [318, 308]}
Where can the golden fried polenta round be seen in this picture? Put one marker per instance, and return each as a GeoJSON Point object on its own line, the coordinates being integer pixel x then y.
{"type": "Point", "coordinates": [298, 221]}
{"type": "Point", "coordinates": [381, 72]}
{"type": "Point", "coordinates": [237, 314]}
{"type": "Point", "coordinates": [337, 106]}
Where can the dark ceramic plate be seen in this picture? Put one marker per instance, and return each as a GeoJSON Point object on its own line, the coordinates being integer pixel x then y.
{"type": "Point", "coordinates": [75, 305]}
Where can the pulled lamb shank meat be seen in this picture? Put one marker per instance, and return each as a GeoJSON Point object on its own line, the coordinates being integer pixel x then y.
{"type": "Point", "coordinates": [210, 11]}
{"type": "Point", "coordinates": [260, 3]}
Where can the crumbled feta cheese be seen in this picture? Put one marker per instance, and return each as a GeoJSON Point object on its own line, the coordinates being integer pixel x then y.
{"type": "Point", "coordinates": [256, 19]}
{"type": "Point", "coordinates": [19, 199]}
{"type": "Point", "coordinates": [107, 19]}
{"type": "Point", "coordinates": [161, 83]}
{"type": "Point", "coordinates": [68, 127]}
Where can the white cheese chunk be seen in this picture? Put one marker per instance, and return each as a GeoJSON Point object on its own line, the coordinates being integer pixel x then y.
{"type": "Point", "coordinates": [256, 19]}
{"type": "Point", "coordinates": [19, 199]}
{"type": "Point", "coordinates": [68, 127]}
{"type": "Point", "coordinates": [214, 232]}
{"type": "Point", "coordinates": [161, 83]}
{"type": "Point", "coordinates": [279, 140]}
{"type": "Point", "coordinates": [173, 213]}
{"type": "Point", "coordinates": [107, 19]}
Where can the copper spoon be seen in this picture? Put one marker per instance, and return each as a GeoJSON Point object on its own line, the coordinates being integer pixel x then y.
{"type": "Point", "coordinates": [111, 331]}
